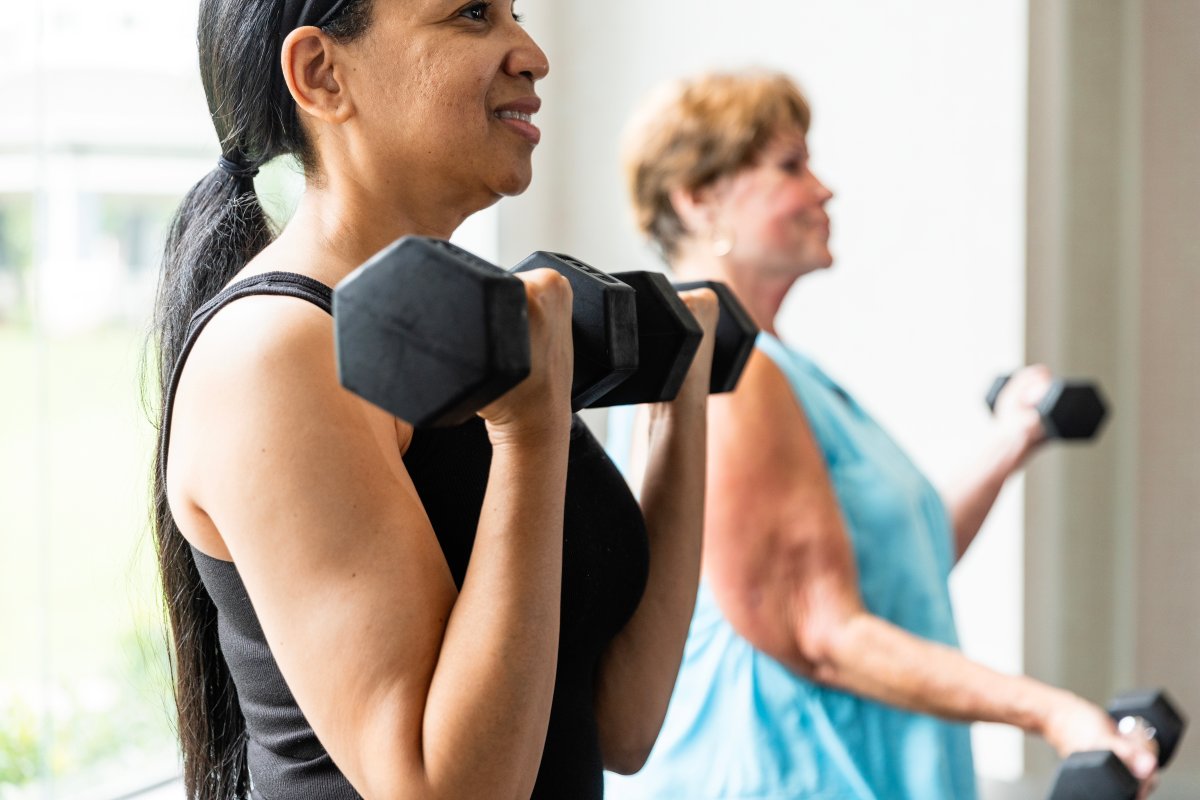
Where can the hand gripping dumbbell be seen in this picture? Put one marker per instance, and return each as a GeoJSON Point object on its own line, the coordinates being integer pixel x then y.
{"type": "Point", "coordinates": [1069, 409]}
{"type": "Point", "coordinates": [668, 337]}
{"type": "Point", "coordinates": [1099, 775]}
{"type": "Point", "coordinates": [736, 333]}
{"type": "Point", "coordinates": [432, 333]}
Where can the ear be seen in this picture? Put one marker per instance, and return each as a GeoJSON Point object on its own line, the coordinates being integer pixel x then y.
{"type": "Point", "coordinates": [313, 72]}
{"type": "Point", "coordinates": [696, 208]}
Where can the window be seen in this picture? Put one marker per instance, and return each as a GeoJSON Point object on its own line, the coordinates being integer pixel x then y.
{"type": "Point", "coordinates": [105, 129]}
{"type": "Point", "coordinates": [87, 186]}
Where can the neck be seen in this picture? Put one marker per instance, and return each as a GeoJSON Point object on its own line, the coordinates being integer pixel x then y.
{"type": "Point", "coordinates": [762, 295]}
{"type": "Point", "coordinates": [341, 223]}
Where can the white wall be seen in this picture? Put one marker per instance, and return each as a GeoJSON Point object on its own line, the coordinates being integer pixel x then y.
{"type": "Point", "coordinates": [919, 128]}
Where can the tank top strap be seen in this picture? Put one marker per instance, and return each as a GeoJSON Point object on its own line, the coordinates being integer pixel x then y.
{"type": "Point", "coordinates": [285, 284]}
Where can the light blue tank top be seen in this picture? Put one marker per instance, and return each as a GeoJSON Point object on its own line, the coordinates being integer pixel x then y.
{"type": "Point", "coordinates": [740, 725]}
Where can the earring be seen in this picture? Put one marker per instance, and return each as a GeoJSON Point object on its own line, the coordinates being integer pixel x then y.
{"type": "Point", "coordinates": [722, 244]}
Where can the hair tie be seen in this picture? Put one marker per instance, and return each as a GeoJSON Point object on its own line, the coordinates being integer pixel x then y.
{"type": "Point", "coordinates": [237, 165]}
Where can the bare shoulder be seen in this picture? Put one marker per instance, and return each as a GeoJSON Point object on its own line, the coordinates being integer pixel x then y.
{"type": "Point", "coordinates": [266, 337]}
{"type": "Point", "coordinates": [259, 362]}
{"type": "Point", "coordinates": [762, 426]}
{"type": "Point", "coordinates": [259, 413]}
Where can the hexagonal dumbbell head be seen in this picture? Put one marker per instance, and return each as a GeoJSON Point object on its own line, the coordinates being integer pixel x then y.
{"type": "Point", "coordinates": [736, 333]}
{"type": "Point", "coordinates": [1069, 409]}
{"type": "Point", "coordinates": [429, 332]}
{"type": "Point", "coordinates": [1072, 410]}
{"type": "Point", "coordinates": [1155, 708]}
{"type": "Point", "coordinates": [603, 325]}
{"type": "Point", "coordinates": [668, 338]}
{"type": "Point", "coordinates": [1093, 775]}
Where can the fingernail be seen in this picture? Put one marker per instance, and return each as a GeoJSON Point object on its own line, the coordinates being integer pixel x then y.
{"type": "Point", "coordinates": [1146, 764]}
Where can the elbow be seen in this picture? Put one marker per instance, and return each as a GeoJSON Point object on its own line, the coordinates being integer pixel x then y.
{"type": "Point", "coordinates": [629, 751]}
{"type": "Point", "coordinates": [627, 761]}
{"type": "Point", "coordinates": [825, 646]}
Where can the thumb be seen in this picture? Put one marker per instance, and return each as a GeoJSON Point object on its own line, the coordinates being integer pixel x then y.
{"type": "Point", "coordinates": [1144, 765]}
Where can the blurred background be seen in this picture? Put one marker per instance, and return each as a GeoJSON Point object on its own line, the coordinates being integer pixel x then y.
{"type": "Point", "coordinates": [1015, 181]}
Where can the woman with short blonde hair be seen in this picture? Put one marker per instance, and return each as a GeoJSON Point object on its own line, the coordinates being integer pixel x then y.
{"type": "Point", "coordinates": [822, 659]}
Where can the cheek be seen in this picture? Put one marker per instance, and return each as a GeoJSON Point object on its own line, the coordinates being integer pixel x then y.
{"type": "Point", "coordinates": [435, 100]}
{"type": "Point", "coordinates": [791, 217]}
{"type": "Point", "coordinates": [778, 223]}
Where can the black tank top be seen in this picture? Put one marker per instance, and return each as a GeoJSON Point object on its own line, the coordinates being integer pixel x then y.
{"type": "Point", "coordinates": [605, 563]}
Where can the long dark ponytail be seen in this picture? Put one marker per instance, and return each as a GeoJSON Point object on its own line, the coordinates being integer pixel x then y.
{"type": "Point", "coordinates": [219, 227]}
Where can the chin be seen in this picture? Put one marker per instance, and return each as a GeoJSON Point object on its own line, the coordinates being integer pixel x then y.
{"type": "Point", "coordinates": [513, 182]}
{"type": "Point", "coordinates": [822, 260]}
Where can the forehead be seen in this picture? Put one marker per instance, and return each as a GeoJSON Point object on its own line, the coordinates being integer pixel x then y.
{"type": "Point", "coordinates": [788, 141]}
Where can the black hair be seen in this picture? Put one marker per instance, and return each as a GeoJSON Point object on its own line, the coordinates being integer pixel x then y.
{"type": "Point", "coordinates": [219, 227]}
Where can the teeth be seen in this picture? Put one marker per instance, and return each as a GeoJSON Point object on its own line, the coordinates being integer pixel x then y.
{"type": "Point", "coordinates": [515, 115]}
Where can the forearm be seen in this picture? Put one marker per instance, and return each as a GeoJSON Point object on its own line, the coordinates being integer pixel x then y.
{"type": "Point", "coordinates": [489, 701]}
{"type": "Point", "coordinates": [971, 496]}
{"type": "Point", "coordinates": [870, 657]}
{"type": "Point", "coordinates": [639, 668]}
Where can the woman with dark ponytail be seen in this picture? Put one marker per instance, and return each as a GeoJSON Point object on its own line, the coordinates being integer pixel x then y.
{"type": "Point", "coordinates": [359, 608]}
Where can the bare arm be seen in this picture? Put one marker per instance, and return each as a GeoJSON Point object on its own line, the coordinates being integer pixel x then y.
{"type": "Point", "coordinates": [783, 570]}
{"type": "Point", "coordinates": [416, 690]}
{"type": "Point", "coordinates": [638, 671]}
{"type": "Point", "coordinates": [970, 496]}
{"type": "Point", "coordinates": [1015, 434]}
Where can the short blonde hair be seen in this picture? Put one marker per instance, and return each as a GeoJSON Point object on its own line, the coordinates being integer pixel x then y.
{"type": "Point", "coordinates": [691, 133]}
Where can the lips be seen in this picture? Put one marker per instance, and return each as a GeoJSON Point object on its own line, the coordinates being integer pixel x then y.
{"type": "Point", "coordinates": [517, 115]}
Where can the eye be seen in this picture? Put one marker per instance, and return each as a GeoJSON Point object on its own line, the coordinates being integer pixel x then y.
{"type": "Point", "coordinates": [793, 166]}
{"type": "Point", "coordinates": [477, 12]}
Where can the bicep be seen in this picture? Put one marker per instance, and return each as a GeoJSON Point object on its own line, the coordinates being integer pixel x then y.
{"type": "Point", "coordinates": [776, 551]}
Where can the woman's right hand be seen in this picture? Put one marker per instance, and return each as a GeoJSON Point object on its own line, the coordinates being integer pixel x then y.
{"type": "Point", "coordinates": [540, 405]}
{"type": "Point", "coordinates": [1016, 407]}
{"type": "Point", "coordinates": [1075, 725]}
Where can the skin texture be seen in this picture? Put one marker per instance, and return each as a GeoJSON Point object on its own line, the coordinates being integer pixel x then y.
{"type": "Point", "coordinates": [274, 466]}
{"type": "Point", "coordinates": [775, 550]}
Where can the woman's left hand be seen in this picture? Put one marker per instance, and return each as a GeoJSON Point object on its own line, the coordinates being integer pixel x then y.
{"type": "Point", "coordinates": [705, 308]}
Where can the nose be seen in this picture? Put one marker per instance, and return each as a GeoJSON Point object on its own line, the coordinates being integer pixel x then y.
{"type": "Point", "coordinates": [526, 59]}
{"type": "Point", "coordinates": [824, 193]}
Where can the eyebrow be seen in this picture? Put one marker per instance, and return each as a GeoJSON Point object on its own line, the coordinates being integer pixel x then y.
{"type": "Point", "coordinates": [792, 151]}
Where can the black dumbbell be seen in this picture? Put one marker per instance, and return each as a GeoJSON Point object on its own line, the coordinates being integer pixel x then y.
{"type": "Point", "coordinates": [603, 323]}
{"type": "Point", "coordinates": [1099, 774]}
{"type": "Point", "coordinates": [432, 333]}
{"type": "Point", "coordinates": [736, 333]}
{"type": "Point", "coordinates": [668, 337]}
{"type": "Point", "coordinates": [1069, 409]}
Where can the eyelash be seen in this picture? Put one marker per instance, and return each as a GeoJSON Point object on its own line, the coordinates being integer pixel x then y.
{"type": "Point", "coordinates": [486, 6]}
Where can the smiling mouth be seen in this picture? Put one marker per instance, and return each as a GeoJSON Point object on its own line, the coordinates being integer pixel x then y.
{"type": "Point", "coordinates": [517, 115]}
